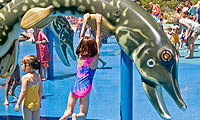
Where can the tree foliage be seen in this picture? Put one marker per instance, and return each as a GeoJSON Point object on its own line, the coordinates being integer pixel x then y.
{"type": "Point", "coordinates": [165, 5]}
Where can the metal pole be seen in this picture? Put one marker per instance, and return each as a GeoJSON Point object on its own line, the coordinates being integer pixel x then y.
{"type": "Point", "coordinates": [50, 69]}
{"type": "Point", "coordinates": [126, 108]}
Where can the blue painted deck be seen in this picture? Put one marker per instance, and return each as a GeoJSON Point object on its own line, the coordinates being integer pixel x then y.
{"type": "Point", "coordinates": [105, 95]}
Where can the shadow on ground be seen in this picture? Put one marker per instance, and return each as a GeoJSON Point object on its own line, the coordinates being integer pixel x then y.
{"type": "Point", "coordinates": [41, 118]}
{"type": "Point", "coordinates": [61, 77]}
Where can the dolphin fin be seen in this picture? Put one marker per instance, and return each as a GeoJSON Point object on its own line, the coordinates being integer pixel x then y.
{"type": "Point", "coordinates": [11, 56]}
{"type": "Point", "coordinates": [33, 16]}
{"type": "Point", "coordinates": [45, 22]}
{"type": "Point", "coordinates": [71, 53]}
{"type": "Point", "coordinates": [154, 93]}
{"type": "Point", "coordinates": [61, 52]}
{"type": "Point", "coordinates": [67, 37]}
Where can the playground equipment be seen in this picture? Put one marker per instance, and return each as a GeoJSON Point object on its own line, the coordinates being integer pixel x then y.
{"type": "Point", "coordinates": [139, 36]}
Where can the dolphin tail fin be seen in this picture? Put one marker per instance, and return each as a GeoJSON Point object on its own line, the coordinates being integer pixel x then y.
{"type": "Point", "coordinates": [38, 14]}
{"type": "Point", "coordinates": [154, 93]}
{"type": "Point", "coordinates": [70, 50]}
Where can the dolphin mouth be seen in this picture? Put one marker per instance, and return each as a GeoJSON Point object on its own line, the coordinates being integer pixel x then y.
{"type": "Point", "coordinates": [153, 91]}
{"type": "Point", "coordinates": [8, 61]}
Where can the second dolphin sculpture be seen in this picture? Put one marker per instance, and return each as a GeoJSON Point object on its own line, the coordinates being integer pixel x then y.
{"type": "Point", "coordinates": [64, 39]}
{"type": "Point", "coordinates": [135, 30]}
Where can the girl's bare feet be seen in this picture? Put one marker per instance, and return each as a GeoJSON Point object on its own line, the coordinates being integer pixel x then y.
{"type": "Point", "coordinates": [74, 116]}
{"type": "Point", "coordinates": [12, 94]}
{"type": "Point", "coordinates": [188, 57]}
{"type": "Point", "coordinates": [6, 102]}
{"type": "Point", "coordinates": [43, 79]}
{"type": "Point", "coordinates": [66, 115]}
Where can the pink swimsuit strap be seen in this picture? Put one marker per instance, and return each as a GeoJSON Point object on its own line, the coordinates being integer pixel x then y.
{"type": "Point", "coordinates": [87, 61]}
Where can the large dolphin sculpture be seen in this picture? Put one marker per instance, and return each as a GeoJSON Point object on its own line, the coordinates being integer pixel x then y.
{"type": "Point", "coordinates": [135, 30]}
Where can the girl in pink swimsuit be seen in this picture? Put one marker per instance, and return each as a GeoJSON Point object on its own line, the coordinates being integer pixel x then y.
{"type": "Point", "coordinates": [88, 54]}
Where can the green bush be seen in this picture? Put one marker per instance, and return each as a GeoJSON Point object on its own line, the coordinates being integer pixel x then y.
{"type": "Point", "coordinates": [165, 5]}
{"type": "Point", "coordinates": [168, 7]}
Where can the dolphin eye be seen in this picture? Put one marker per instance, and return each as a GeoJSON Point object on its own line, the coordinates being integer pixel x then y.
{"type": "Point", "coordinates": [117, 13]}
{"type": "Point", "coordinates": [166, 55]}
{"type": "Point", "coordinates": [151, 63]}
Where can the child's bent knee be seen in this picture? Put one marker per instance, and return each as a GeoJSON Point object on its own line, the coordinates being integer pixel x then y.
{"type": "Point", "coordinates": [68, 112]}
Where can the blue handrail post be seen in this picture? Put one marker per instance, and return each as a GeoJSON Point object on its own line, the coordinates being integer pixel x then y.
{"type": "Point", "coordinates": [50, 69]}
{"type": "Point", "coordinates": [126, 107]}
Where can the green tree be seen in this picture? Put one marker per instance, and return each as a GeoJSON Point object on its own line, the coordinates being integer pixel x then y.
{"type": "Point", "coordinates": [165, 5]}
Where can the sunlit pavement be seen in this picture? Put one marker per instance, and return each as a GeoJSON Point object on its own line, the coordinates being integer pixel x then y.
{"type": "Point", "coordinates": [105, 94]}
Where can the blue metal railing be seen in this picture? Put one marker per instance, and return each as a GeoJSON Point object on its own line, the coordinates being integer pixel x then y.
{"type": "Point", "coordinates": [50, 70]}
{"type": "Point", "coordinates": [126, 105]}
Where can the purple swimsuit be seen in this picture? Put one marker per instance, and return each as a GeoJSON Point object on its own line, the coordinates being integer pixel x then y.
{"type": "Point", "coordinates": [83, 83]}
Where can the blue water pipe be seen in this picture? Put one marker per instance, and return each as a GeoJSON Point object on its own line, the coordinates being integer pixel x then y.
{"type": "Point", "coordinates": [50, 70]}
{"type": "Point", "coordinates": [126, 105]}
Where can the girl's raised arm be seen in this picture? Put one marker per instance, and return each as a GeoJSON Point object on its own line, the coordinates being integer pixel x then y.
{"type": "Point", "coordinates": [85, 20]}
{"type": "Point", "coordinates": [98, 33]}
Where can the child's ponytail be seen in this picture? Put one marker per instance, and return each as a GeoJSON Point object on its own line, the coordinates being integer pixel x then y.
{"type": "Point", "coordinates": [36, 64]}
